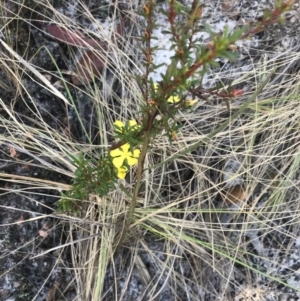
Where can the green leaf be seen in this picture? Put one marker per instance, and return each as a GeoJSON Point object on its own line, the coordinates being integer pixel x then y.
{"type": "Point", "coordinates": [209, 30]}
{"type": "Point", "coordinates": [232, 56]}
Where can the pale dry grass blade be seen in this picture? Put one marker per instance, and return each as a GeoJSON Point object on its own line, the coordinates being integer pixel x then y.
{"type": "Point", "coordinates": [184, 239]}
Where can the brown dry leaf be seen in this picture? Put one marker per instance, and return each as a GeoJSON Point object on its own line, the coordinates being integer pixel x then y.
{"type": "Point", "coordinates": [13, 152]}
{"type": "Point", "coordinates": [4, 293]}
{"type": "Point", "coordinates": [65, 35]}
{"type": "Point", "coordinates": [233, 195]}
{"type": "Point", "coordinates": [52, 291]}
{"type": "Point", "coordinates": [119, 32]}
{"type": "Point", "coordinates": [227, 4]}
{"type": "Point", "coordinates": [73, 38]}
{"type": "Point", "coordinates": [89, 66]}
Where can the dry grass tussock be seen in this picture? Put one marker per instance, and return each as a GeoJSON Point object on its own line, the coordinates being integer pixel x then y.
{"type": "Point", "coordinates": [184, 241]}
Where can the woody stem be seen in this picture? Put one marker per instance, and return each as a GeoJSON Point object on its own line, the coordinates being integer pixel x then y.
{"type": "Point", "coordinates": [140, 169]}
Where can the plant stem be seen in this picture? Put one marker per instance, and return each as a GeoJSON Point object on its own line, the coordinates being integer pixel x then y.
{"type": "Point", "coordinates": [140, 169]}
{"type": "Point", "coordinates": [221, 127]}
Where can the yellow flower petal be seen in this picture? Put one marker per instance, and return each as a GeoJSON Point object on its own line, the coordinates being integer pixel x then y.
{"type": "Point", "coordinates": [123, 153]}
{"type": "Point", "coordinates": [122, 171]}
{"type": "Point", "coordinates": [118, 162]}
{"type": "Point", "coordinates": [132, 123]}
{"type": "Point", "coordinates": [118, 124]}
{"type": "Point", "coordinates": [173, 99]}
{"type": "Point", "coordinates": [132, 159]}
{"type": "Point", "coordinates": [116, 152]}
{"type": "Point", "coordinates": [136, 153]}
{"type": "Point", "coordinates": [125, 148]}
{"type": "Point", "coordinates": [191, 102]}
{"type": "Point", "coordinates": [155, 86]}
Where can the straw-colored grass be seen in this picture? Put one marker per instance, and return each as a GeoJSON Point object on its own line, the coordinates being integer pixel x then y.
{"type": "Point", "coordinates": [178, 244]}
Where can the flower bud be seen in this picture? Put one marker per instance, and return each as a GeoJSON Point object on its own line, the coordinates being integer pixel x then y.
{"type": "Point", "coordinates": [146, 9]}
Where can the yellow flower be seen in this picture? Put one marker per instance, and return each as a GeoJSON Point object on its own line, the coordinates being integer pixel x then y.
{"type": "Point", "coordinates": [122, 171]}
{"type": "Point", "coordinates": [123, 153]}
{"type": "Point", "coordinates": [155, 85]}
{"type": "Point", "coordinates": [171, 99]}
{"type": "Point", "coordinates": [191, 102]}
{"type": "Point", "coordinates": [120, 125]}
